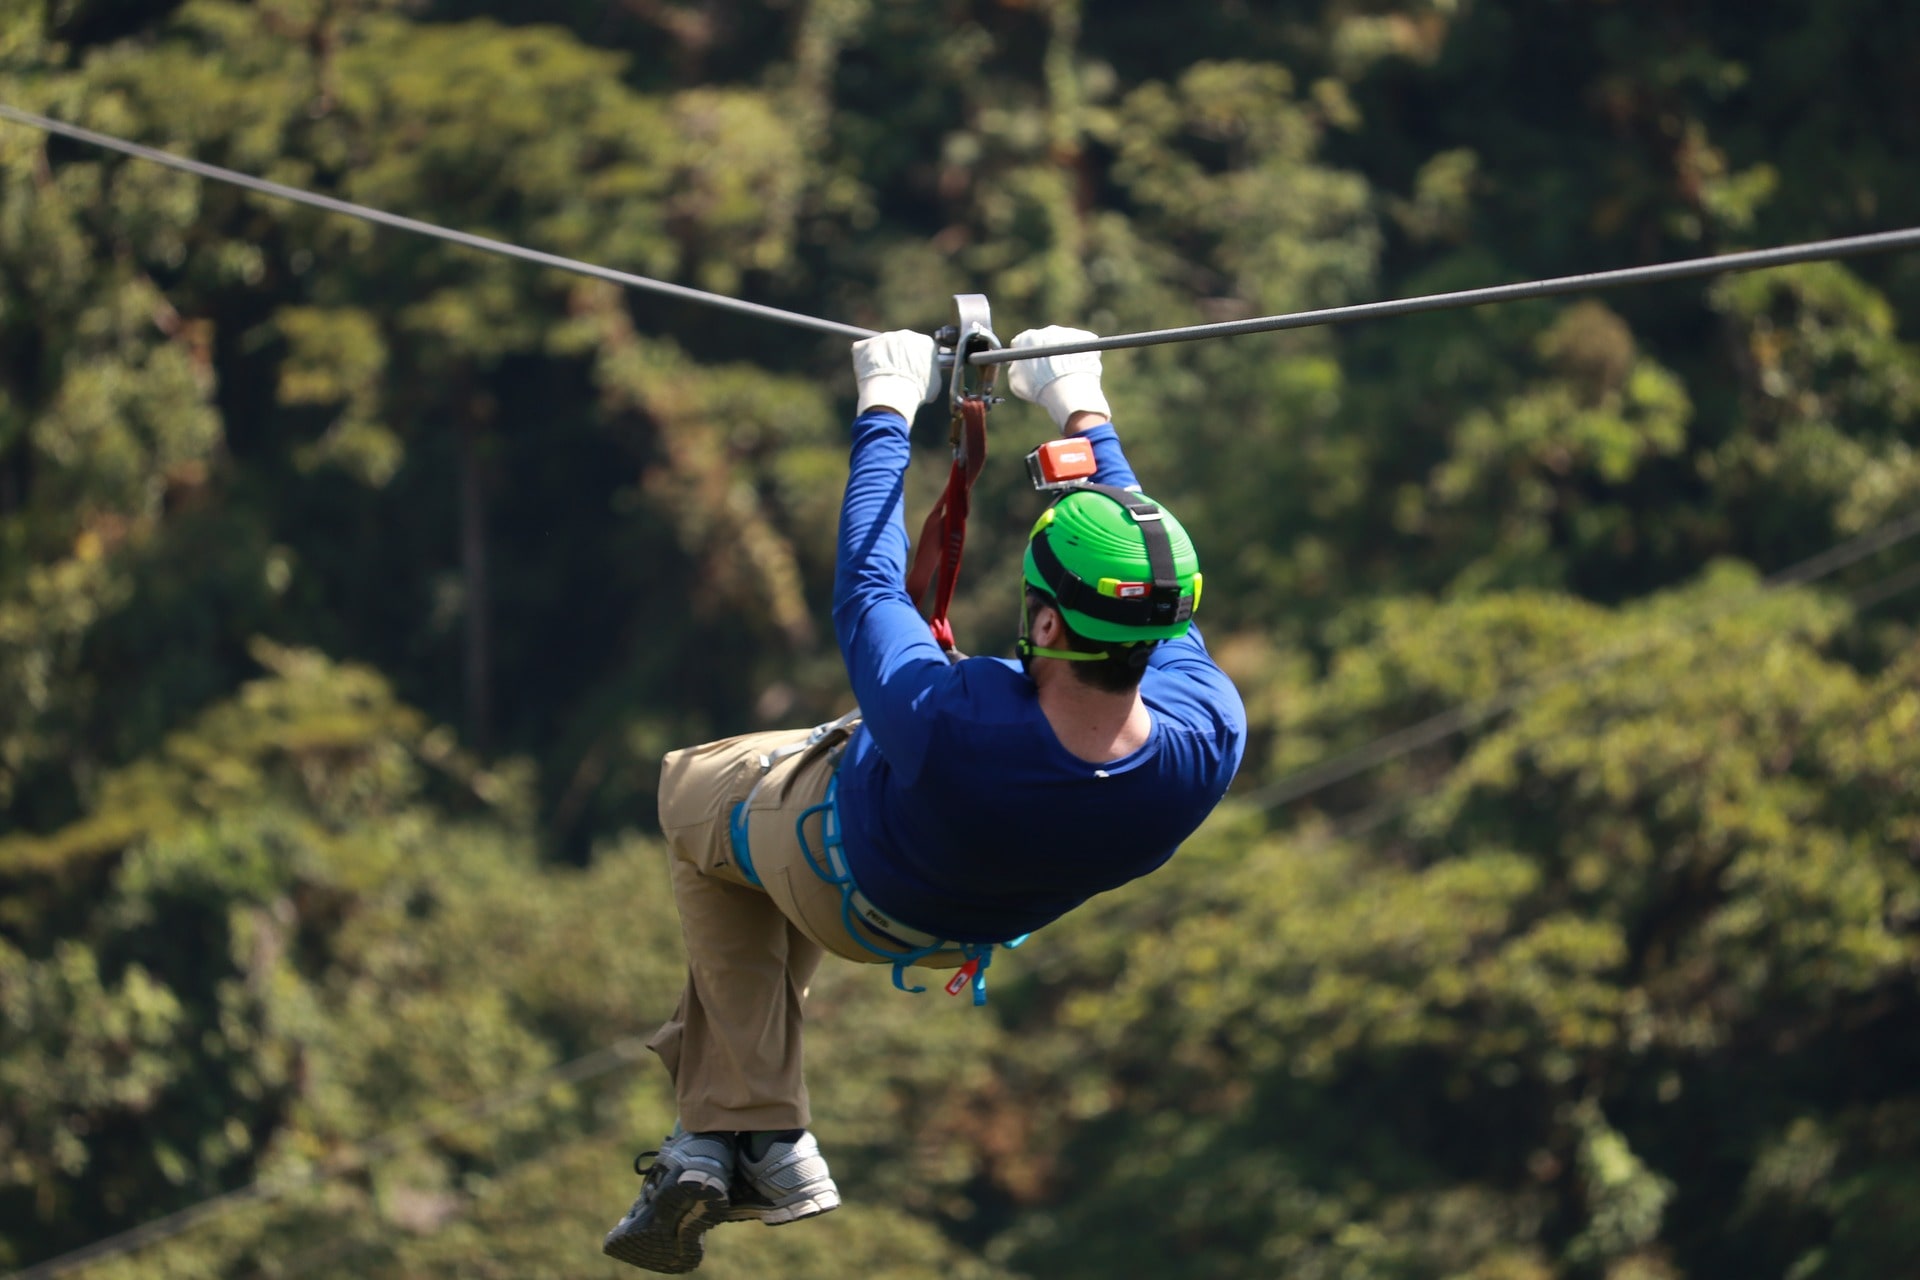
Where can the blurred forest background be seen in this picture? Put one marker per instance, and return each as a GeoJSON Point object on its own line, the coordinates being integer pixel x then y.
{"type": "Point", "coordinates": [352, 584]}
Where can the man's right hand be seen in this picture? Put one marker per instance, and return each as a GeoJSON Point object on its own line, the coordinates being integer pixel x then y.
{"type": "Point", "coordinates": [1068, 386]}
{"type": "Point", "coordinates": [896, 370]}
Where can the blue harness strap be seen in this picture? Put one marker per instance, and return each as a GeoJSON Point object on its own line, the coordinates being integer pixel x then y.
{"type": "Point", "coordinates": [831, 866]}
{"type": "Point", "coordinates": [835, 871]}
{"type": "Point", "coordinates": [737, 816]}
{"type": "Point", "coordinates": [737, 837]}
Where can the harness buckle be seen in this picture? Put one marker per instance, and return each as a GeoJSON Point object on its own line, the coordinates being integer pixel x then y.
{"type": "Point", "coordinates": [962, 976]}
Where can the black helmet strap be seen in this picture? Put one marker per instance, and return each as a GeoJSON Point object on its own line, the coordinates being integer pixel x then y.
{"type": "Point", "coordinates": [1161, 606]}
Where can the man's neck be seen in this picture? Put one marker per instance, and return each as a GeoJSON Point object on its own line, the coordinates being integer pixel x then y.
{"type": "Point", "coordinates": [1093, 724]}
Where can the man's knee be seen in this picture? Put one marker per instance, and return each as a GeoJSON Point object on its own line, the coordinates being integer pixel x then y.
{"type": "Point", "coordinates": [695, 781]}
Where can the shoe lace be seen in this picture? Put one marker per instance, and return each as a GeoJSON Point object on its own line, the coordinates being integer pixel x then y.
{"type": "Point", "coordinates": [649, 1175]}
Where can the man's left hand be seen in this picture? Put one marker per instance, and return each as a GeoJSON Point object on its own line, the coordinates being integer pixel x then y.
{"type": "Point", "coordinates": [1067, 386]}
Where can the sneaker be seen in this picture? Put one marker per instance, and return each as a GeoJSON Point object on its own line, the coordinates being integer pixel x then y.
{"type": "Point", "coordinates": [685, 1194]}
{"type": "Point", "coordinates": [788, 1182]}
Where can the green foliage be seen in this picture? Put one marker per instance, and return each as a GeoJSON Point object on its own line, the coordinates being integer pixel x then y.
{"type": "Point", "coordinates": [1611, 982]}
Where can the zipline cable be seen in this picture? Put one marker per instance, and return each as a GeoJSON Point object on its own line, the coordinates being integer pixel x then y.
{"type": "Point", "coordinates": [354, 1158]}
{"type": "Point", "coordinates": [1282, 792]}
{"type": "Point", "coordinates": [1814, 251]}
{"type": "Point", "coordinates": [216, 174]}
{"type": "Point", "coordinates": [1444, 725]}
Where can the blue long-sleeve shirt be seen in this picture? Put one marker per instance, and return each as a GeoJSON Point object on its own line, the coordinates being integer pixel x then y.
{"type": "Point", "coordinates": [962, 813]}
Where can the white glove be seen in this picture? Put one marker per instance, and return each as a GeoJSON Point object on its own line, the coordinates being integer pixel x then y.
{"type": "Point", "coordinates": [1062, 385]}
{"type": "Point", "coordinates": [896, 370]}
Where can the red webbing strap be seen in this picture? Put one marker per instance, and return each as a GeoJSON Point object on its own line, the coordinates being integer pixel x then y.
{"type": "Point", "coordinates": [944, 535]}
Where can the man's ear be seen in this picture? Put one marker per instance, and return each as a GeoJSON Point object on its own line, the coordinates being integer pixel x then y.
{"type": "Point", "coordinates": [1047, 626]}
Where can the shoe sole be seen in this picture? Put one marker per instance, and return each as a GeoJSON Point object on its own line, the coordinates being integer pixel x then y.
{"type": "Point", "coordinates": [772, 1215]}
{"type": "Point", "coordinates": [668, 1240]}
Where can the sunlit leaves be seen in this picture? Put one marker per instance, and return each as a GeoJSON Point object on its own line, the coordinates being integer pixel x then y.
{"type": "Point", "coordinates": [75, 1049]}
{"type": "Point", "coordinates": [1611, 979]}
{"type": "Point", "coordinates": [1834, 392]}
{"type": "Point", "coordinates": [1223, 165]}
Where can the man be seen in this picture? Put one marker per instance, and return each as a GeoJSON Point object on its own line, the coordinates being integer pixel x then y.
{"type": "Point", "coordinates": [973, 802]}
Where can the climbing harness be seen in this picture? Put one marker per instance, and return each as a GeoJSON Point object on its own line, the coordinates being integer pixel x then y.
{"type": "Point", "coordinates": [936, 564]}
{"type": "Point", "coordinates": [1286, 790]}
{"type": "Point", "coordinates": [737, 818]}
{"type": "Point", "coordinates": [856, 906]}
{"type": "Point", "coordinates": [936, 559]}
{"type": "Point", "coordinates": [830, 864]}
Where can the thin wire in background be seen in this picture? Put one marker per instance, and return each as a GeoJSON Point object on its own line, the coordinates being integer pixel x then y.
{"type": "Point", "coordinates": [1320, 776]}
{"type": "Point", "coordinates": [1287, 790]}
{"type": "Point", "coordinates": [1437, 728]}
{"type": "Point", "coordinates": [346, 1251]}
{"type": "Point", "coordinates": [1354, 826]}
{"type": "Point", "coordinates": [1371, 818]}
{"type": "Point", "coordinates": [353, 1159]}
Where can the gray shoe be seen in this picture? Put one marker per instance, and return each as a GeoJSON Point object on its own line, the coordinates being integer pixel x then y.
{"type": "Point", "coordinates": [684, 1195]}
{"type": "Point", "coordinates": [788, 1183]}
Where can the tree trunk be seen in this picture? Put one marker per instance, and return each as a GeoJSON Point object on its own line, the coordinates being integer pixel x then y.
{"type": "Point", "coordinates": [478, 604]}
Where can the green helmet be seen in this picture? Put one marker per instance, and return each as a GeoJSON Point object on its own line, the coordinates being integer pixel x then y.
{"type": "Point", "coordinates": [1117, 564]}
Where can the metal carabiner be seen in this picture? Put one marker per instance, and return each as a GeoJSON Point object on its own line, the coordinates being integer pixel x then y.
{"type": "Point", "coordinates": [972, 332]}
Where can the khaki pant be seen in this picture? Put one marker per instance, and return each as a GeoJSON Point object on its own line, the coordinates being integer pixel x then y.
{"type": "Point", "coordinates": [733, 1047]}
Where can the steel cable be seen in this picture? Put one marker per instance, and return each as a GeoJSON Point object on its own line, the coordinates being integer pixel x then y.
{"type": "Point", "coordinates": [280, 191]}
{"type": "Point", "coordinates": [1284, 791]}
{"type": "Point", "coordinates": [1814, 251]}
